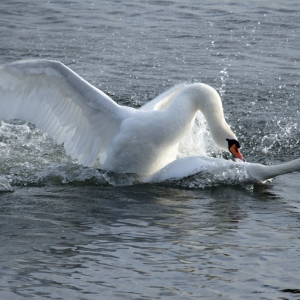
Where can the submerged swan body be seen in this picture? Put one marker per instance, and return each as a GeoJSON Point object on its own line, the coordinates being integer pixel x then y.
{"type": "Point", "coordinates": [193, 165]}
{"type": "Point", "coordinates": [95, 129]}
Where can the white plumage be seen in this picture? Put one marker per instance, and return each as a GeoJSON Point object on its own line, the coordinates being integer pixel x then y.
{"type": "Point", "coordinates": [126, 140]}
{"type": "Point", "coordinates": [91, 125]}
{"type": "Point", "coordinates": [61, 103]}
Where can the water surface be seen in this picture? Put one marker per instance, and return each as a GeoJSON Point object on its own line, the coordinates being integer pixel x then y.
{"type": "Point", "coordinates": [74, 232]}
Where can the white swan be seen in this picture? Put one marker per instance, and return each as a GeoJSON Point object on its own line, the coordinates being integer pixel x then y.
{"type": "Point", "coordinates": [193, 165]}
{"type": "Point", "coordinates": [91, 125]}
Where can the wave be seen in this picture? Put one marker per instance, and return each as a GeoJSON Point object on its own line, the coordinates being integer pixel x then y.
{"type": "Point", "coordinates": [70, 173]}
{"type": "Point", "coordinates": [28, 157]}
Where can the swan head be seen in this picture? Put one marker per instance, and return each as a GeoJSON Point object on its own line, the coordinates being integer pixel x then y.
{"type": "Point", "coordinates": [234, 148]}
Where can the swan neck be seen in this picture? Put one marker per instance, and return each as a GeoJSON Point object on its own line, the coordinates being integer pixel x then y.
{"type": "Point", "coordinates": [262, 172]}
{"type": "Point", "coordinates": [207, 100]}
{"type": "Point", "coordinates": [201, 97]}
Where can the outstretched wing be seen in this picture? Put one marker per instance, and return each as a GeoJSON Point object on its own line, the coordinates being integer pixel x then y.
{"type": "Point", "coordinates": [61, 103]}
{"type": "Point", "coordinates": [163, 100]}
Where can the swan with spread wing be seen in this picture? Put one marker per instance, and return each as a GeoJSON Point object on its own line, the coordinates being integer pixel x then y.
{"type": "Point", "coordinates": [92, 126]}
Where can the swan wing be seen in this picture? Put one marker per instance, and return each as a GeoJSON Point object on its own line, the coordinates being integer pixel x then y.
{"type": "Point", "coordinates": [163, 100]}
{"type": "Point", "coordinates": [61, 103]}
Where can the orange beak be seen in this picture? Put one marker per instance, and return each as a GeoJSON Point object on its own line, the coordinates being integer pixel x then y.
{"type": "Point", "coordinates": [236, 152]}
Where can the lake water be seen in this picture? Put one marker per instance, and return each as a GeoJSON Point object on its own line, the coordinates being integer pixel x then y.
{"type": "Point", "coordinates": [68, 232]}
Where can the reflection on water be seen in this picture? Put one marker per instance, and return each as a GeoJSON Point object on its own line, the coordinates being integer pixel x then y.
{"type": "Point", "coordinates": [145, 241]}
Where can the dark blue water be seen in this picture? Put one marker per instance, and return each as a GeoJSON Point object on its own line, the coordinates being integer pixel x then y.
{"type": "Point", "coordinates": [68, 232]}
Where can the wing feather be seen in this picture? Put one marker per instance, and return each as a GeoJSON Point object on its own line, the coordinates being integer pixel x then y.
{"type": "Point", "coordinates": [61, 103]}
{"type": "Point", "coordinates": [163, 100]}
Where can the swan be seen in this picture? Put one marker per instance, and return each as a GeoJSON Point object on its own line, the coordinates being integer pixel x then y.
{"type": "Point", "coordinates": [95, 130]}
{"type": "Point", "coordinates": [91, 124]}
{"type": "Point", "coordinates": [193, 165]}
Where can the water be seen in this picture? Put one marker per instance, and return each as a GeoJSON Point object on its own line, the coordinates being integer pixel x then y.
{"type": "Point", "coordinates": [80, 233]}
